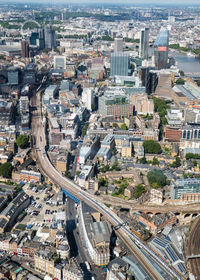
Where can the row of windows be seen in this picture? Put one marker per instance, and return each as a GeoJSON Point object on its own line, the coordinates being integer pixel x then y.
{"type": "Point", "coordinates": [191, 134]}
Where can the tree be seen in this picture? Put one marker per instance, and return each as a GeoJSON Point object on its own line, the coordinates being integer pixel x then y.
{"type": "Point", "coordinates": [194, 163]}
{"type": "Point", "coordinates": [84, 129]}
{"type": "Point", "coordinates": [22, 141]}
{"type": "Point", "coordinates": [143, 160]}
{"type": "Point", "coordinates": [103, 182]}
{"type": "Point", "coordinates": [123, 126]}
{"type": "Point", "coordinates": [152, 147]}
{"type": "Point", "coordinates": [161, 107]}
{"type": "Point", "coordinates": [181, 72]}
{"type": "Point", "coordinates": [192, 156]}
{"type": "Point", "coordinates": [155, 161]}
{"type": "Point", "coordinates": [116, 166]}
{"type": "Point", "coordinates": [156, 178]}
{"type": "Point", "coordinates": [105, 168]}
{"type": "Point", "coordinates": [140, 189]}
{"type": "Point", "coordinates": [198, 83]}
{"type": "Point", "coordinates": [68, 174]}
{"type": "Point", "coordinates": [115, 125]}
{"type": "Point", "coordinates": [180, 81]}
{"type": "Point", "coordinates": [6, 170]}
{"type": "Point", "coordinates": [176, 163]}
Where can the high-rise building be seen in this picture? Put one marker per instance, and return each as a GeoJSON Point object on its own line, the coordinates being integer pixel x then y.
{"type": "Point", "coordinates": [152, 81]}
{"type": "Point", "coordinates": [59, 62]}
{"type": "Point", "coordinates": [118, 46]}
{"type": "Point", "coordinates": [144, 43]}
{"type": "Point", "coordinates": [50, 37]}
{"type": "Point", "coordinates": [41, 42]}
{"type": "Point", "coordinates": [120, 64]}
{"type": "Point", "coordinates": [24, 48]}
{"type": "Point", "coordinates": [33, 38]}
{"type": "Point", "coordinates": [13, 75]}
{"type": "Point", "coordinates": [161, 48]}
{"type": "Point", "coordinates": [88, 98]}
{"type": "Point", "coordinates": [29, 74]}
{"type": "Point", "coordinates": [63, 16]}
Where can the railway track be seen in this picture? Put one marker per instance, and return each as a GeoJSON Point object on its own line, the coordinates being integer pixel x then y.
{"type": "Point", "coordinates": [194, 249]}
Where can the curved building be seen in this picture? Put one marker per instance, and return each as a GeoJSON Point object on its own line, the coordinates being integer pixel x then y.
{"type": "Point", "coordinates": [161, 49]}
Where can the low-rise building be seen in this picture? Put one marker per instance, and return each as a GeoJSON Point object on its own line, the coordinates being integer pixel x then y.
{"type": "Point", "coordinates": [30, 176]}
{"type": "Point", "coordinates": [86, 173]}
{"type": "Point", "coordinates": [181, 187]}
{"type": "Point", "coordinates": [10, 213]}
{"type": "Point", "coordinates": [72, 271]}
{"type": "Point", "coordinates": [155, 223]}
{"type": "Point", "coordinates": [96, 236]}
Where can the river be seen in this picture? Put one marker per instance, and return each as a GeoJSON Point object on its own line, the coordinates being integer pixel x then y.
{"type": "Point", "coordinates": [188, 64]}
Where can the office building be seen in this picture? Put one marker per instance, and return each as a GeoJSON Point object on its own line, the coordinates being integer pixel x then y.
{"type": "Point", "coordinates": [24, 48]}
{"type": "Point", "coordinates": [13, 75]}
{"type": "Point", "coordinates": [96, 236]}
{"type": "Point", "coordinates": [185, 186]}
{"type": "Point", "coordinates": [41, 39]}
{"type": "Point", "coordinates": [120, 64]}
{"type": "Point", "coordinates": [88, 98]}
{"type": "Point", "coordinates": [115, 104]}
{"type": "Point", "coordinates": [151, 82]}
{"type": "Point", "coordinates": [29, 74]}
{"type": "Point", "coordinates": [118, 45]}
{"type": "Point", "coordinates": [161, 48]}
{"type": "Point", "coordinates": [191, 132]}
{"type": "Point", "coordinates": [59, 62]}
{"type": "Point", "coordinates": [24, 104]}
{"type": "Point", "coordinates": [50, 37]}
{"type": "Point", "coordinates": [34, 38]}
{"type": "Point", "coordinates": [144, 43]}
{"type": "Point", "coordinates": [143, 105]}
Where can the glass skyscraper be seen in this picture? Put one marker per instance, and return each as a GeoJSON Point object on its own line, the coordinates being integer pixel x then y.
{"type": "Point", "coordinates": [161, 48]}
{"type": "Point", "coordinates": [119, 64]}
{"type": "Point", "coordinates": [144, 43]}
{"type": "Point", "coordinates": [50, 37]}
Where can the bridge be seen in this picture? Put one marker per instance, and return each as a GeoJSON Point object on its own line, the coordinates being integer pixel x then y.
{"type": "Point", "coordinates": [195, 75]}
{"type": "Point", "coordinates": [193, 257]}
{"type": "Point", "coordinates": [185, 213]}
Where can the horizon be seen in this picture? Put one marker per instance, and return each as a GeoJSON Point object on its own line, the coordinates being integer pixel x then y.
{"type": "Point", "coordinates": [117, 2]}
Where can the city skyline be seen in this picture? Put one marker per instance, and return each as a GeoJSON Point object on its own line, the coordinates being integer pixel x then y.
{"type": "Point", "coordinates": [99, 139]}
{"type": "Point", "coordinates": [137, 2]}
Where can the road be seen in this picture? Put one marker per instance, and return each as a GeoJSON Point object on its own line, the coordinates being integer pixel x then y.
{"type": "Point", "coordinates": [131, 241]}
{"type": "Point", "coordinates": [77, 249]}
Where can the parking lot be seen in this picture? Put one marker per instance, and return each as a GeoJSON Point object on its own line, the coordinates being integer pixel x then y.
{"type": "Point", "coordinates": [42, 209]}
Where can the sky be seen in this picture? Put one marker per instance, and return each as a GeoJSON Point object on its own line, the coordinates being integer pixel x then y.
{"type": "Point", "coordinates": [158, 2]}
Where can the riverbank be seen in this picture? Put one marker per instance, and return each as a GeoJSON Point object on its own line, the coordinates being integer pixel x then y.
{"type": "Point", "coordinates": [176, 47]}
{"type": "Point", "coordinates": [188, 64]}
